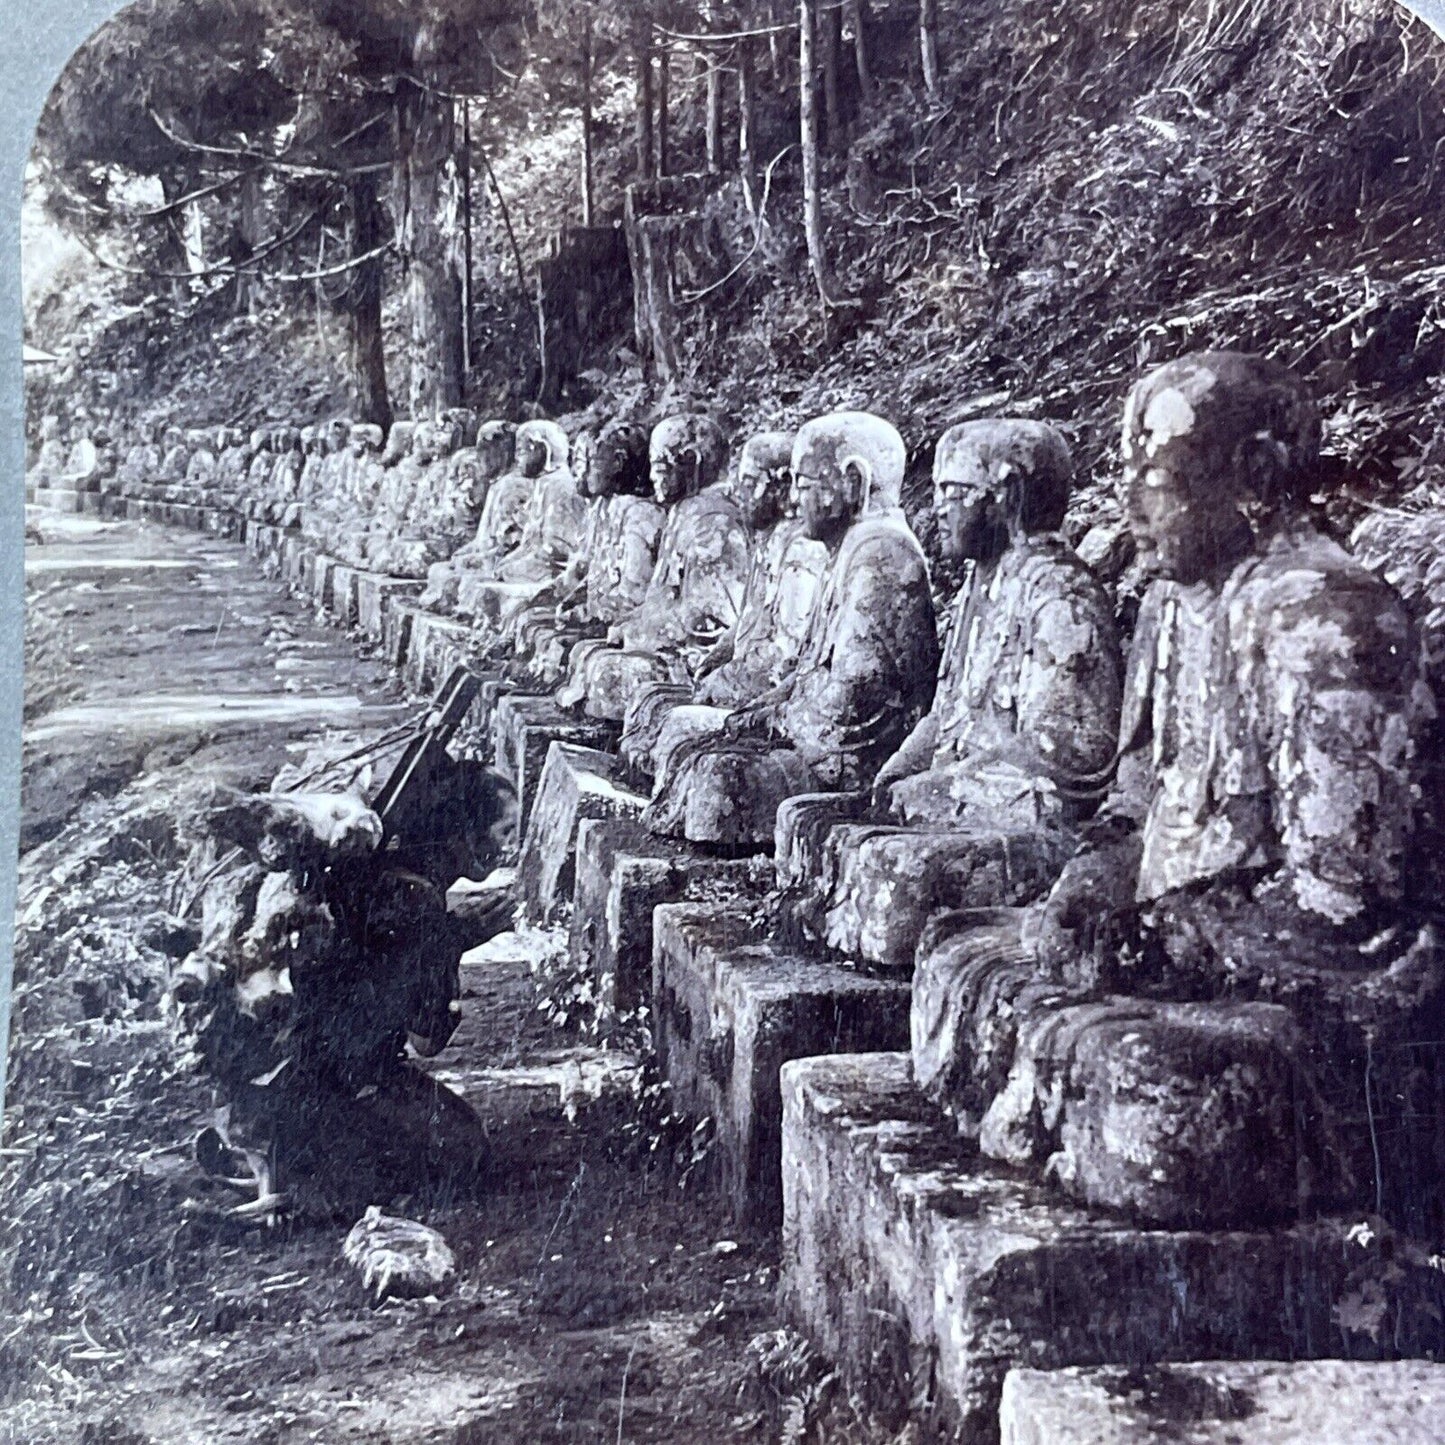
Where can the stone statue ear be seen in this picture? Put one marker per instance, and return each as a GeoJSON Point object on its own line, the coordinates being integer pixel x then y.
{"type": "Point", "coordinates": [1263, 467]}
{"type": "Point", "coordinates": [860, 466]}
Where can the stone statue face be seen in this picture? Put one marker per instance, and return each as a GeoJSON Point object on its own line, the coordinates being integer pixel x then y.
{"type": "Point", "coordinates": [971, 523]}
{"type": "Point", "coordinates": [424, 445]}
{"type": "Point", "coordinates": [619, 462]}
{"type": "Point", "coordinates": [531, 455]}
{"type": "Point", "coordinates": [1208, 440]}
{"type": "Point", "coordinates": [471, 478]}
{"type": "Point", "coordinates": [829, 489]}
{"type": "Point", "coordinates": [495, 445]}
{"type": "Point", "coordinates": [762, 491]}
{"type": "Point", "coordinates": [685, 455]}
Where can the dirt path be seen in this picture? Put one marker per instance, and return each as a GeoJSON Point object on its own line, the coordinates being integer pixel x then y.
{"type": "Point", "coordinates": [599, 1299]}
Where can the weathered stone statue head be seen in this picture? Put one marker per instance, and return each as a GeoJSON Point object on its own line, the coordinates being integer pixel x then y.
{"type": "Point", "coordinates": [619, 463]}
{"type": "Point", "coordinates": [289, 439]}
{"type": "Point", "coordinates": [174, 437]}
{"type": "Point", "coordinates": [685, 455]}
{"type": "Point", "coordinates": [997, 481]}
{"type": "Point", "coordinates": [426, 442]}
{"type": "Point", "coordinates": [541, 447]}
{"type": "Point", "coordinates": [1213, 444]}
{"type": "Point", "coordinates": [461, 424]}
{"type": "Point", "coordinates": [765, 478]}
{"type": "Point", "coordinates": [336, 434]}
{"type": "Point", "coordinates": [843, 464]}
{"type": "Point", "coordinates": [398, 443]}
{"type": "Point", "coordinates": [260, 441]}
{"type": "Point", "coordinates": [196, 438]}
{"type": "Point", "coordinates": [366, 440]}
{"type": "Point", "coordinates": [496, 444]}
{"type": "Point", "coordinates": [310, 440]}
{"type": "Point", "coordinates": [50, 429]}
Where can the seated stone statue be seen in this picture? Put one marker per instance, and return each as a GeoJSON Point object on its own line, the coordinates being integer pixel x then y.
{"type": "Point", "coordinates": [201, 465]}
{"type": "Point", "coordinates": [81, 460]}
{"type": "Point", "coordinates": [444, 512]}
{"type": "Point", "coordinates": [1227, 1010]}
{"type": "Point", "coordinates": [141, 464]}
{"type": "Point", "coordinates": [49, 464]}
{"type": "Point", "coordinates": [696, 589]}
{"type": "Point", "coordinates": [867, 667]}
{"type": "Point", "coordinates": [401, 485]}
{"type": "Point", "coordinates": [233, 459]}
{"type": "Point", "coordinates": [499, 529]}
{"type": "Point", "coordinates": [991, 784]}
{"type": "Point", "coordinates": [609, 572]}
{"type": "Point", "coordinates": [284, 486]}
{"type": "Point", "coordinates": [760, 649]}
{"type": "Point", "coordinates": [175, 458]}
{"type": "Point", "coordinates": [321, 507]}
{"type": "Point", "coordinates": [551, 534]}
{"type": "Point", "coordinates": [258, 474]}
{"type": "Point", "coordinates": [362, 479]}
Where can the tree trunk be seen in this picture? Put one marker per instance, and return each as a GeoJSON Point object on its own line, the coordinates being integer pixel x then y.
{"type": "Point", "coordinates": [642, 56]}
{"type": "Point", "coordinates": [829, 43]}
{"type": "Point", "coordinates": [856, 12]}
{"type": "Point", "coordinates": [808, 135]}
{"type": "Point", "coordinates": [366, 227]}
{"type": "Point", "coordinates": [587, 119]}
{"type": "Point", "coordinates": [664, 73]}
{"type": "Point", "coordinates": [422, 197]}
{"type": "Point", "coordinates": [928, 45]}
{"type": "Point", "coordinates": [746, 142]}
{"type": "Point", "coordinates": [250, 234]}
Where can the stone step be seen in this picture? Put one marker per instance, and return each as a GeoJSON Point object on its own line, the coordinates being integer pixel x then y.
{"type": "Point", "coordinates": [728, 1011]}
{"type": "Point", "coordinates": [524, 727]}
{"type": "Point", "coordinates": [927, 1275]}
{"type": "Point", "coordinates": [542, 1097]}
{"type": "Point", "coordinates": [576, 783]}
{"type": "Point", "coordinates": [1315, 1402]}
{"type": "Point", "coordinates": [623, 872]}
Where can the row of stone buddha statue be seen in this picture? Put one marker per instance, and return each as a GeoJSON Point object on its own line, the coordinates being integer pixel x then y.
{"type": "Point", "coordinates": [1210, 842]}
{"type": "Point", "coordinates": [1203, 853]}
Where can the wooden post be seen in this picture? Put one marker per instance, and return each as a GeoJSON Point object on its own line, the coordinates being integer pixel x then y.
{"type": "Point", "coordinates": [808, 136]}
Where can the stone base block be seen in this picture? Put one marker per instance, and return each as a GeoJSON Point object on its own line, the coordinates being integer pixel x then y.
{"type": "Point", "coordinates": [623, 872]}
{"type": "Point", "coordinates": [298, 562]}
{"type": "Point", "coordinates": [576, 783]}
{"type": "Point", "coordinates": [323, 574]}
{"type": "Point", "coordinates": [436, 646]}
{"type": "Point", "coordinates": [1318, 1402]}
{"type": "Point", "coordinates": [524, 728]}
{"type": "Point", "coordinates": [344, 600]}
{"type": "Point", "coordinates": [728, 1012]}
{"type": "Point", "coordinates": [396, 631]}
{"type": "Point", "coordinates": [376, 594]}
{"type": "Point", "coordinates": [927, 1275]}
{"type": "Point", "coordinates": [58, 499]}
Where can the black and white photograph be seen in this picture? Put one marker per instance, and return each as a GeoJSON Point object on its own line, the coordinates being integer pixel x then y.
{"type": "Point", "coordinates": [731, 724]}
